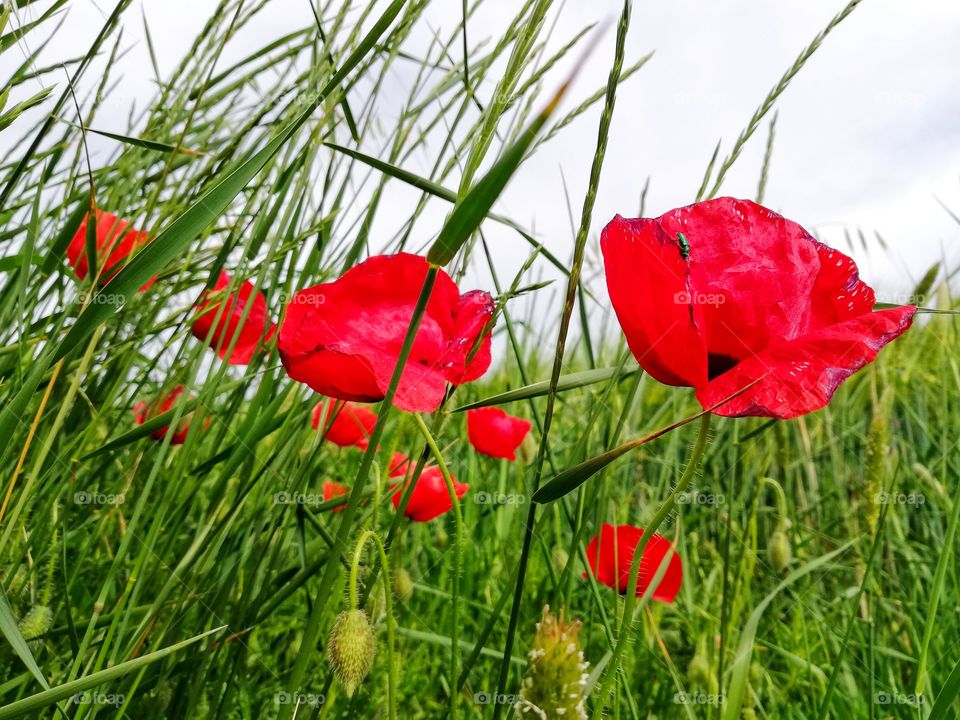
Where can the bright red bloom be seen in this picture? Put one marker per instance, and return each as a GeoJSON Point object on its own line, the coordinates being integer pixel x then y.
{"type": "Point", "coordinates": [610, 563]}
{"type": "Point", "coordinates": [144, 411]}
{"type": "Point", "coordinates": [116, 242]}
{"type": "Point", "coordinates": [343, 338]}
{"type": "Point", "coordinates": [723, 293]}
{"type": "Point", "coordinates": [399, 465]}
{"type": "Point", "coordinates": [430, 497]}
{"type": "Point", "coordinates": [218, 332]}
{"type": "Point", "coordinates": [332, 490]}
{"type": "Point", "coordinates": [347, 424]}
{"type": "Point", "coordinates": [492, 432]}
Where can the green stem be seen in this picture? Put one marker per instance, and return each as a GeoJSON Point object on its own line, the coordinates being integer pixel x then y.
{"type": "Point", "coordinates": [345, 528]}
{"type": "Point", "coordinates": [388, 603]}
{"type": "Point", "coordinates": [457, 558]}
{"type": "Point", "coordinates": [573, 284]}
{"type": "Point", "coordinates": [669, 504]}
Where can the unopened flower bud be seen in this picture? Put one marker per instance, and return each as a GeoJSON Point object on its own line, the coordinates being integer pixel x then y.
{"type": "Point", "coordinates": [779, 553]}
{"type": "Point", "coordinates": [351, 648]}
{"type": "Point", "coordinates": [402, 585]}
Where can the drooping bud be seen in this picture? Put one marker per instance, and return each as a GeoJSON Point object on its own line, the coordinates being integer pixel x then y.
{"type": "Point", "coordinates": [37, 622]}
{"type": "Point", "coordinates": [402, 585]}
{"type": "Point", "coordinates": [553, 686]}
{"type": "Point", "coordinates": [698, 671]}
{"type": "Point", "coordinates": [779, 552]}
{"type": "Point", "coordinates": [441, 538]}
{"type": "Point", "coordinates": [351, 648]}
{"type": "Point", "coordinates": [559, 557]}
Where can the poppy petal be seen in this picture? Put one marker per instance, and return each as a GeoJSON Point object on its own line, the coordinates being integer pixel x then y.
{"type": "Point", "coordinates": [611, 553]}
{"type": "Point", "coordinates": [346, 424]}
{"type": "Point", "coordinates": [344, 338]}
{"type": "Point", "coordinates": [430, 497]}
{"type": "Point", "coordinates": [493, 432]}
{"type": "Point", "coordinates": [116, 242]}
{"type": "Point", "coordinates": [649, 286]}
{"type": "Point", "coordinates": [799, 376]}
{"type": "Point", "coordinates": [219, 319]}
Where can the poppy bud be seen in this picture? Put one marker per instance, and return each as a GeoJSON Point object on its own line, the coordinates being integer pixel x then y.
{"type": "Point", "coordinates": [553, 686]}
{"type": "Point", "coordinates": [441, 538]}
{"type": "Point", "coordinates": [402, 585]}
{"type": "Point", "coordinates": [559, 557]}
{"type": "Point", "coordinates": [698, 671]}
{"type": "Point", "coordinates": [37, 621]}
{"type": "Point", "coordinates": [351, 648]}
{"type": "Point", "coordinates": [779, 553]}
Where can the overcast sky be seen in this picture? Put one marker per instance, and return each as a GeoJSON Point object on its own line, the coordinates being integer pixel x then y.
{"type": "Point", "coordinates": [868, 133]}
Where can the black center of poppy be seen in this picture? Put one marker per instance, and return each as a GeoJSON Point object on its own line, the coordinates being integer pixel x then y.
{"type": "Point", "coordinates": [718, 364]}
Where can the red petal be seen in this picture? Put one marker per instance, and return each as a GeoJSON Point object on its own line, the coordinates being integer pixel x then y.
{"type": "Point", "coordinates": [430, 497]}
{"type": "Point", "coordinates": [347, 424]}
{"type": "Point", "coordinates": [343, 338]}
{"type": "Point", "coordinates": [752, 272]}
{"type": "Point", "coordinates": [144, 411]}
{"type": "Point", "coordinates": [116, 242]}
{"type": "Point", "coordinates": [492, 432]}
{"type": "Point", "coordinates": [800, 376]}
{"type": "Point", "coordinates": [219, 334]}
{"type": "Point", "coordinates": [649, 287]}
{"type": "Point", "coordinates": [616, 550]}
{"type": "Point", "coordinates": [334, 489]}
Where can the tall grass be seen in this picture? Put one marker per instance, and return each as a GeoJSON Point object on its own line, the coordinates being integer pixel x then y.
{"type": "Point", "coordinates": [201, 580]}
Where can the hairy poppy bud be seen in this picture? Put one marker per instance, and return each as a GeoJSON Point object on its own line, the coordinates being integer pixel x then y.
{"type": "Point", "coordinates": [553, 686]}
{"type": "Point", "coordinates": [559, 557]}
{"type": "Point", "coordinates": [441, 538]}
{"type": "Point", "coordinates": [351, 648]}
{"type": "Point", "coordinates": [402, 585]}
{"type": "Point", "coordinates": [779, 553]}
{"type": "Point", "coordinates": [37, 621]}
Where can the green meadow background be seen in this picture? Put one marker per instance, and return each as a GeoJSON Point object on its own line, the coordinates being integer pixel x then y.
{"type": "Point", "coordinates": [144, 580]}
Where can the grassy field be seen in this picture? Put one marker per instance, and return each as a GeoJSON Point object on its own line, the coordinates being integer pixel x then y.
{"type": "Point", "coordinates": [143, 579]}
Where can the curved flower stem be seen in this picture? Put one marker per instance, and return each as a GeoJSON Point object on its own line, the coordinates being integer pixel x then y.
{"type": "Point", "coordinates": [457, 557]}
{"type": "Point", "coordinates": [627, 618]}
{"type": "Point", "coordinates": [345, 528]}
{"type": "Point", "coordinates": [388, 602]}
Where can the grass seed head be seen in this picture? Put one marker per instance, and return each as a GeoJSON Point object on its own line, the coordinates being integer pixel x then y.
{"type": "Point", "coordinates": [553, 686]}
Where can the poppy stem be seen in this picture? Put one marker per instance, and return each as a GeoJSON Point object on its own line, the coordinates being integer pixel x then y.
{"type": "Point", "coordinates": [457, 555]}
{"type": "Point", "coordinates": [370, 535]}
{"type": "Point", "coordinates": [668, 506]}
{"type": "Point", "coordinates": [345, 529]}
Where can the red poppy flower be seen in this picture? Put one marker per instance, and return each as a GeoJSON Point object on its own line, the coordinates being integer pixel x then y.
{"type": "Point", "coordinates": [218, 332]}
{"type": "Point", "coordinates": [116, 242]}
{"type": "Point", "coordinates": [332, 490]}
{"type": "Point", "coordinates": [430, 497]}
{"type": "Point", "coordinates": [492, 432]}
{"type": "Point", "coordinates": [399, 465]}
{"type": "Point", "coordinates": [347, 424]}
{"type": "Point", "coordinates": [610, 563]}
{"type": "Point", "coordinates": [343, 338]}
{"type": "Point", "coordinates": [144, 411]}
{"type": "Point", "coordinates": [723, 293]}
